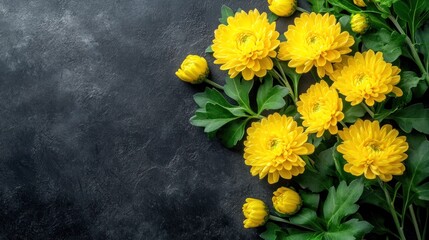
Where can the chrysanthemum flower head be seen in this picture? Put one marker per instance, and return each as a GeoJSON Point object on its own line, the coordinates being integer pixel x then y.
{"type": "Point", "coordinates": [315, 40]}
{"type": "Point", "coordinates": [246, 45]}
{"type": "Point", "coordinates": [286, 201]}
{"type": "Point", "coordinates": [321, 109]}
{"type": "Point", "coordinates": [274, 147]}
{"type": "Point", "coordinates": [255, 212]}
{"type": "Point", "coordinates": [367, 77]}
{"type": "Point", "coordinates": [373, 151]}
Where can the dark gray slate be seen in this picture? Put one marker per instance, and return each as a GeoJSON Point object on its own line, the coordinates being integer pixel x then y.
{"type": "Point", "coordinates": [95, 141]}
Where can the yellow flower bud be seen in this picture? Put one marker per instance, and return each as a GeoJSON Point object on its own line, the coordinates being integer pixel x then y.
{"type": "Point", "coordinates": [359, 23]}
{"type": "Point", "coordinates": [286, 201]}
{"type": "Point", "coordinates": [256, 213]}
{"type": "Point", "coordinates": [359, 3]}
{"type": "Point", "coordinates": [283, 8]}
{"type": "Point", "coordinates": [194, 69]}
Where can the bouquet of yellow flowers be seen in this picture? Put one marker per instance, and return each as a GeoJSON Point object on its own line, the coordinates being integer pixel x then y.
{"type": "Point", "coordinates": [351, 150]}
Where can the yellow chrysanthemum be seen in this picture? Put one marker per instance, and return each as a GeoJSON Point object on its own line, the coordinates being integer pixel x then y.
{"type": "Point", "coordinates": [359, 3]}
{"type": "Point", "coordinates": [273, 147]}
{"type": "Point", "coordinates": [286, 201]}
{"type": "Point", "coordinates": [256, 213]}
{"type": "Point", "coordinates": [359, 23]}
{"type": "Point", "coordinates": [315, 40]}
{"type": "Point", "coordinates": [282, 8]}
{"type": "Point", "coordinates": [246, 45]}
{"type": "Point", "coordinates": [194, 69]}
{"type": "Point", "coordinates": [321, 109]}
{"type": "Point", "coordinates": [367, 76]}
{"type": "Point", "coordinates": [373, 151]}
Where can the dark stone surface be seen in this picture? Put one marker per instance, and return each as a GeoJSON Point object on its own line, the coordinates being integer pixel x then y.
{"type": "Point", "coordinates": [95, 141]}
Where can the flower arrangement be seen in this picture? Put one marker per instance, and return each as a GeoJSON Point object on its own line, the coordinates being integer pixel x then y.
{"type": "Point", "coordinates": [350, 151]}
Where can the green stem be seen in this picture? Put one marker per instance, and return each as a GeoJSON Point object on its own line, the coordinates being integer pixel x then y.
{"type": "Point", "coordinates": [258, 116]}
{"type": "Point", "coordinates": [302, 10]}
{"type": "Point", "coordinates": [426, 224]}
{"type": "Point", "coordinates": [213, 83]}
{"type": "Point", "coordinates": [415, 223]}
{"type": "Point", "coordinates": [412, 48]}
{"type": "Point", "coordinates": [294, 94]}
{"type": "Point", "coordinates": [337, 165]}
{"type": "Point", "coordinates": [391, 206]}
{"type": "Point", "coordinates": [343, 124]}
{"type": "Point", "coordinates": [285, 83]}
{"type": "Point", "coordinates": [371, 113]}
{"type": "Point", "coordinates": [278, 219]}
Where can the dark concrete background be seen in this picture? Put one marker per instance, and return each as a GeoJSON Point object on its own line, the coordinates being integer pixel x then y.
{"type": "Point", "coordinates": [95, 141]}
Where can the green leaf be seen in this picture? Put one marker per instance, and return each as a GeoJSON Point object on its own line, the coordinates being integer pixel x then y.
{"type": "Point", "coordinates": [419, 14]}
{"type": "Point", "coordinates": [314, 181]}
{"type": "Point", "coordinates": [209, 49]}
{"type": "Point", "coordinates": [346, 5]}
{"type": "Point", "coordinates": [307, 217]}
{"type": "Point", "coordinates": [325, 162]}
{"type": "Point", "coordinates": [225, 12]}
{"type": "Point", "coordinates": [271, 232]}
{"type": "Point", "coordinates": [317, 5]}
{"type": "Point", "coordinates": [420, 90]}
{"type": "Point", "coordinates": [350, 230]}
{"type": "Point", "coordinates": [422, 191]}
{"type": "Point", "coordinates": [214, 118]}
{"type": "Point", "coordinates": [272, 17]}
{"type": "Point", "coordinates": [232, 132]}
{"type": "Point", "coordinates": [211, 96]}
{"type": "Point", "coordinates": [352, 113]}
{"type": "Point", "coordinates": [385, 41]}
{"type": "Point", "coordinates": [270, 97]}
{"type": "Point", "coordinates": [422, 43]}
{"type": "Point", "coordinates": [374, 197]}
{"type": "Point", "coordinates": [340, 202]}
{"type": "Point", "coordinates": [377, 22]}
{"type": "Point", "coordinates": [402, 9]}
{"type": "Point", "coordinates": [409, 80]}
{"type": "Point", "coordinates": [310, 200]}
{"type": "Point", "coordinates": [239, 91]}
{"type": "Point", "coordinates": [386, 3]}
{"type": "Point", "coordinates": [412, 117]}
{"type": "Point", "coordinates": [384, 113]}
{"type": "Point", "coordinates": [417, 168]}
{"type": "Point", "coordinates": [304, 236]}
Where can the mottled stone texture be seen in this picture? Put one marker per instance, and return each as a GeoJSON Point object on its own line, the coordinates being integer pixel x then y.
{"type": "Point", "coordinates": [95, 141]}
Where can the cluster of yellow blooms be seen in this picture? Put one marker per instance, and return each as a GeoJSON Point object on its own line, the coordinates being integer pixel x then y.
{"type": "Point", "coordinates": [285, 201]}
{"type": "Point", "coordinates": [248, 45]}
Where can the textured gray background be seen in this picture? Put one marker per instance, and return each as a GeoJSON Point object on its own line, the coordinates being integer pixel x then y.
{"type": "Point", "coordinates": [95, 141]}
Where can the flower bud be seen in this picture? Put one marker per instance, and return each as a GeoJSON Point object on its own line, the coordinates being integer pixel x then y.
{"type": "Point", "coordinates": [282, 8]}
{"type": "Point", "coordinates": [256, 213]}
{"type": "Point", "coordinates": [286, 201]}
{"type": "Point", "coordinates": [359, 3]}
{"type": "Point", "coordinates": [359, 23]}
{"type": "Point", "coordinates": [194, 69]}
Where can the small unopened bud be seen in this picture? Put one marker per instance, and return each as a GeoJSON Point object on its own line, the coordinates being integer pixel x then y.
{"type": "Point", "coordinates": [359, 3]}
{"type": "Point", "coordinates": [286, 201]}
{"type": "Point", "coordinates": [256, 213]}
{"type": "Point", "coordinates": [282, 8]}
{"type": "Point", "coordinates": [194, 69]}
{"type": "Point", "coordinates": [359, 23]}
